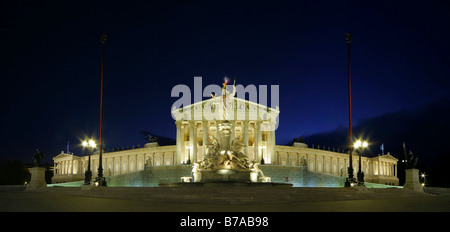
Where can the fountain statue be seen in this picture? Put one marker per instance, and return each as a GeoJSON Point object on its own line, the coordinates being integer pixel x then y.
{"type": "Point", "coordinates": [225, 160]}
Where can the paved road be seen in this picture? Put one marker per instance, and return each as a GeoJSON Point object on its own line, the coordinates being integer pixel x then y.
{"type": "Point", "coordinates": [52, 202]}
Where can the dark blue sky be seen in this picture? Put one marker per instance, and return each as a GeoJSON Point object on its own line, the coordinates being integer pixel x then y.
{"type": "Point", "coordinates": [51, 55]}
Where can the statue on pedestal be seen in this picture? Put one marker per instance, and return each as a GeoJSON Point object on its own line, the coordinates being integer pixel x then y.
{"type": "Point", "coordinates": [37, 173]}
{"type": "Point", "coordinates": [411, 172]}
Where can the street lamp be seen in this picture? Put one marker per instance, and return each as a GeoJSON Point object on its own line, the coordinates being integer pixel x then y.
{"type": "Point", "coordinates": [350, 180]}
{"type": "Point", "coordinates": [88, 174]}
{"type": "Point", "coordinates": [360, 145]}
{"type": "Point", "coordinates": [100, 179]}
{"type": "Point", "coordinates": [423, 176]}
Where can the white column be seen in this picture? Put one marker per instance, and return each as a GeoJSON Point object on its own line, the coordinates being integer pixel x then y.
{"type": "Point", "coordinates": [113, 168]}
{"type": "Point", "coordinates": [259, 134]}
{"type": "Point", "coordinates": [288, 159]}
{"type": "Point", "coordinates": [143, 161]}
{"type": "Point", "coordinates": [179, 143]}
{"type": "Point", "coordinates": [105, 164]}
{"type": "Point", "coordinates": [272, 146]}
{"type": "Point", "coordinates": [323, 165]}
{"type": "Point", "coordinates": [195, 143]}
{"type": "Point", "coordinates": [120, 165]}
{"type": "Point", "coordinates": [192, 139]}
{"type": "Point", "coordinates": [257, 139]}
{"type": "Point", "coordinates": [246, 138]}
{"type": "Point", "coordinates": [128, 164]}
{"type": "Point", "coordinates": [378, 164]}
{"type": "Point", "coordinates": [315, 163]}
{"type": "Point", "coordinates": [205, 136]}
{"type": "Point", "coordinates": [136, 163]}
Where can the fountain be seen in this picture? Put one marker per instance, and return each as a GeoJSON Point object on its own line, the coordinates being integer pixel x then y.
{"type": "Point", "coordinates": [225, 161]}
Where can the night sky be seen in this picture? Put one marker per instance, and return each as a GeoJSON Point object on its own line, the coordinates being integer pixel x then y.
{"type": "Point", "coordinates": [51, 59]}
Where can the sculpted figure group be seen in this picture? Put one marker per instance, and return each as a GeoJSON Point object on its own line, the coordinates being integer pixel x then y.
{"type": "Point", "coordinates": [225, 159]}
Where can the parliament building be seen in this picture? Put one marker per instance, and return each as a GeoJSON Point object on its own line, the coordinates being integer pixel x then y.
{"type": "Point", "coordinates": [197, 125]}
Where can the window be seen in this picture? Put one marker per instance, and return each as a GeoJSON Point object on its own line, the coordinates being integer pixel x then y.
{"type": "Point", "coordinates": [264, 135]}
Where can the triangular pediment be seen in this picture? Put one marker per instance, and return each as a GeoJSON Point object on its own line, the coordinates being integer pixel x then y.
{"type": "Point", "coordinates": [237, 100]}
{"type": "Point", "coordinates": [241, 106]}
{"type": "Point", "coordinates": [389, 156]}
{"type": "Point", "coordinates": [62, 155]}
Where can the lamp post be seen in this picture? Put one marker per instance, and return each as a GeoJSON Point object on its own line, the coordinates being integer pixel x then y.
{"type": "Point", "coordinates": [350, 180]}
{"type": "Point", "coordinates": [100, 179]}
{"type": "Point", "coordinates": [360, 145]}
{"type": "Point", "coordinates": [88, 174]}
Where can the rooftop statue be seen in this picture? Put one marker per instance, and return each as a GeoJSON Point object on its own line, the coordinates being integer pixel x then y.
{"type": "Point", "coordinates": [227, 99]}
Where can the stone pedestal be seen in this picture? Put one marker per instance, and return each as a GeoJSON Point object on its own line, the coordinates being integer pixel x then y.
{"type": "Point", "coordinates": [412, 180]}
{"type": "Point", "coordinates": [153, 144]}
{"type": "Point", "coordinates": [302, 145]}
{"type": "Point", "coordinates": [37, 179]}
{"type": "Point", "coordinates": [225, 175]}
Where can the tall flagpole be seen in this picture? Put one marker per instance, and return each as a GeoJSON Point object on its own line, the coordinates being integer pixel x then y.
{"type": "Point", "coordinates": [101, 180]}
{"type": "Point", "coordinates": [350, 178]}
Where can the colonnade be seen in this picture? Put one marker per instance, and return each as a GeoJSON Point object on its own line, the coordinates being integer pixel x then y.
{"type": "Point", "coordinates": [194, 135]}
{"type": "Point", "coordinates": [66, 167]}
{"type": "Point", "coordinates": [335, 163]}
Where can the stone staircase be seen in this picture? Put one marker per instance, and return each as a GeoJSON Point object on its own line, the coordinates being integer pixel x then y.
{"type": "Point", "coordinates": [300, 176]}
{"type": "Point", "coordinates": [153, 176]}
{"type": "Point", "coordinates": [242, 194]}
{"type": "Point", "coordinates": [150, 177]}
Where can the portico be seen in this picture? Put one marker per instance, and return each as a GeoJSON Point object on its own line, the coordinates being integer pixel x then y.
{"type": "Point", "coordinates": [253, 125]}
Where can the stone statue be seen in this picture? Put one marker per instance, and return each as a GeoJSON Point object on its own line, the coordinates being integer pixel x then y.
{"type": "Point", "coordinates": [227, 99]}
{"type": "Point", "coordinates": [196, 173]}
{"type": "Point", "coordinates": [213, 147]}
{"type": "Point", "coordinates": [149, 137]}
{"type": "Point", "coordinates": [148, 162]}
{"type": "Point", "coordinates": [298, 140]}
{"type": "Point", "coordinates": [237, 145]}
{"type": "Point", "coordinates": [37, 156]}
{"type": "Point", "coordinates": [412, 161]}
{"type": "Point", "coordinates": [254, 168]}
{"type": "Point", "coordinates": [217, 158]}
{"type": "Point", "coordinates": [152, 139]}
